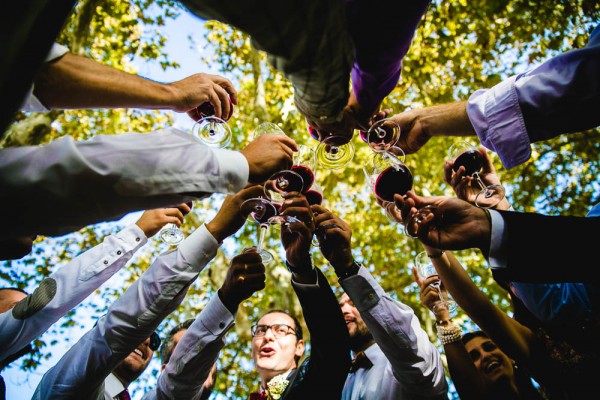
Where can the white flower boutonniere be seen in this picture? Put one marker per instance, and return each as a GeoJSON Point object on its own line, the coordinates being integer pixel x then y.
{"type": "Point", "coordinates": [276, 386]}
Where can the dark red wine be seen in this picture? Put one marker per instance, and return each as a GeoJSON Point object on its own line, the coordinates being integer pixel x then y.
{"type": "Point", "coordinates": [313, 132]}
{"type": "Point", "coordinates": [313, 197]}
{"type": "Point", "coordinates": [307, 175]}
{"type": "Point", "coordinates": [393, 181]}
{"type": "Point", "coordinates": [289, 182]}
{"type": "Point", "coordinates": [207, 109]}
{"type": "Point", "coordinates": [471, 160]}
{"type": "Point", "coordinates": [267, 211]}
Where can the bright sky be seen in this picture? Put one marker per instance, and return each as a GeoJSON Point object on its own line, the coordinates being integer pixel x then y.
{"type": "Point", "coordinates": [20, 385]}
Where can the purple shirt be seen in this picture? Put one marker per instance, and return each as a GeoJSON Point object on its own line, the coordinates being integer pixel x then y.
{"type": "Point", "coordinates": [561, 95]}
{"type": "Point", "coordinates": [382, 32]}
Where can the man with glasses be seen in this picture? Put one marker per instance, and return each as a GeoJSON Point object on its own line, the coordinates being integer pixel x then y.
{"type": "Point", "coordinates": [123, 334]}
{"type": "Point", "coordinates": [277, 339]}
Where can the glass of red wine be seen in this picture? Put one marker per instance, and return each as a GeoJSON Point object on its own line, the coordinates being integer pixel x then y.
{"type": "Point", "coordinates": [281, 183]}
{"type": "Point", "coordinates": [426, 269]}
{"type": "Point", "coordinates": [211, 130]}
{"type": "Point", "coordinates": [382, 135]}
{"type": "Point", "coordinates": [466, 155]}
{"type": "Point", "coordinates": [334, 151]}
{"type": "Point", "coordinates": [304, 165]}
{"type": "Point", "coordinates": [388, 175]}
{"type": "Point", "coordinates": [261, 210]}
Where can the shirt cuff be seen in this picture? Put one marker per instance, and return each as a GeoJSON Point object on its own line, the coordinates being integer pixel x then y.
{"type": "Point", "coordinates": [497, 254]}
{"type": "Point", "coordinates": [57, 51]}
{"type": "Point", "coordinates": [215, 317]}
{"type": "Point", "coordinates": [363, 289]}
{"type": "Point", "coordinates": [134, 235]}
{"type": "Point", "coordinates": [497, 118]}
{"type": "Point", "coordinates": [234, 168]}
{"type": "Point", "coordinates": [199, 246]}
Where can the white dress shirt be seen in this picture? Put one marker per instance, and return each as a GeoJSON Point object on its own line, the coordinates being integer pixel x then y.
{"type": "Point", "coordinates": [406, 365]}
{"type": "Point", "coordinates": [195, 354]}
{"type": "Point", "coordinates": [73, 282]}
{"type": "Point", "coordinates": [132, 318]}
{"type": "Point", "coordinates": [65, 185]}
{"type": "Point", "coordinates": [112, 387]}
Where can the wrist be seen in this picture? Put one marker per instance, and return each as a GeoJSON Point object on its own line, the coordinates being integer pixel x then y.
{"type": "Point", "coordinates": [351, 270]}
{"type": "Point", "coordinates": [300, 267]}
{"type": "Point", "coordinates": [229, 303]}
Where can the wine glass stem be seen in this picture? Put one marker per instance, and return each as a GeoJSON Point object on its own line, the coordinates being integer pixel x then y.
{"type": "Point", "coordinates": [262, 234]}
{"type": "Point", "coordinates": [482, 185]}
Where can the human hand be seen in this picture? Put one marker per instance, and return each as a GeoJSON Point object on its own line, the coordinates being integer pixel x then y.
{"type": "Point", "coordinates": [229, 218]}
{"type": "Point", "coordinates": [152, 221]}
{"type": "Point", "coordinates": [429, 294]}
{"type": "Point", "coordinates": [268, 154]}
{"type": "Point", "coordinates": [453, 225]}
{"type": "Point", "coordinates": [466, 187]}
{"type": "Point", "coordinates": [191, 92]}
{"type": "Point", "coordinates": [334, 236]}
{"type": "Point", "coordinates": [245, 276]}
{"type": "Point", "coordinates": [296, 237]}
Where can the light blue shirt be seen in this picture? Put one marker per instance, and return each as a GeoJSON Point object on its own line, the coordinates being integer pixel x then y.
{"type": "Point", "coordinates": [406, 365]}
{"type": "Point", "coordinates": [562, 95]}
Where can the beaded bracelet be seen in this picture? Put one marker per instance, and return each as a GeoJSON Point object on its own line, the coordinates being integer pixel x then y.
{"type": "Point", "coordinates": [449, 333]}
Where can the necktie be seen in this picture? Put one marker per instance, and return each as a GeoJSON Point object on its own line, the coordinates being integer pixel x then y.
{"type": "Point", "coordinates": [124, 395]}
{"type": "Point", "coordinates": [360, 361]}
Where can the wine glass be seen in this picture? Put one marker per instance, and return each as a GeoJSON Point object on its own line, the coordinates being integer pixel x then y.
{"type": "Point", "coordinates": [261, 210]}
{"type": "Point", "coordinates": [387, 175]}
{"type": "Point", "coordinates": [304, 165]}
{"type": "Point", "coordinates": [171, 234]}
{"type": "Point", "coordinates": [426, 269]}
{"type": "Point", "coordinates": [266, 128]}
{"type": "Point", "coordinates": [382, 135]}
{"type": "Point", "coordinates": [334, 151]}
{"type": "Point", "coordinates": [281, 183]}
{"type": "Point", "coordinates": [466, 155]}
{"type": "Point", "coordinates": [211, 130]}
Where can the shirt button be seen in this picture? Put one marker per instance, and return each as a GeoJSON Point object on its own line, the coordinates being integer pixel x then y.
{"type": "Point", "coordinates": [119, 252]}
{"type": "Point", "coordinates": [105, 262]}
{"type": "Point", "coordinates": [137, 239]}
{"type": "Point", "coordinates": [222, 325]}
{"type": "Point", "coordinates": [371, 295]}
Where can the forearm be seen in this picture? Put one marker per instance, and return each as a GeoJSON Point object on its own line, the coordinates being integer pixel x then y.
{"type": "Point", "coordinates": [74, 184]}
{"type": "Point", "coordinates": [78, 82]}
{"type": "Point", "coordinates": [446, 120]}
{"type": "Point", "coordinates": [66, 288]}
{"type": "Point", "coordinates": [195, 354]}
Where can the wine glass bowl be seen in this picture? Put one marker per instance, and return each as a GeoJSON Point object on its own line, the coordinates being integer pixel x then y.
{"type": "Point", "coordinates": [281, 183]}
{"type": "Point", "coordinates": [464, 154]}
{"type": "Point", "coordinates": [267, 128]}
{"type": "Point", "coordinates": [261, 210]}
{"type": "Point", "coordinates": [382, 135]}
{"type": "Point", "coordinates": [334, 152]}
{"type": "Point", "coordinates": [426, 269]}
{"type": "Point", "coordinates": [212, 131]}
{"type": "Point", "coordinates": [388, 175]}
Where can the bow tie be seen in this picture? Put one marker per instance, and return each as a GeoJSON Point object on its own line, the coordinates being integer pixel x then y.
{"type": "Point", "coordinates": [360, 361]}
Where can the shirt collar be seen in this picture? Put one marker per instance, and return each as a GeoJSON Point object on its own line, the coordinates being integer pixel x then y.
{"type": "Point", "coordinates": [113, 386]}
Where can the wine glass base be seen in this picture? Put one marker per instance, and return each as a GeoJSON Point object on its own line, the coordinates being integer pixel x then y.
{"type": "Point", "coordinates": [171, 237]}
{"type": "Point", "coordinates": [266, 257]}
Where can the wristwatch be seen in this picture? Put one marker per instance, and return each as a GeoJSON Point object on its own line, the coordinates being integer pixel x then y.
{"type": "Point", "coordinates": [350, 271]}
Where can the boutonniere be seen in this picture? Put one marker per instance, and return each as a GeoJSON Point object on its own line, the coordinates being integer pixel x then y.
{"type": "Point", "coordinates": [276, 387]}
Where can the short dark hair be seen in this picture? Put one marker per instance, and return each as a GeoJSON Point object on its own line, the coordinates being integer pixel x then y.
{"type": "Point", "coordinates": [297, 327]}
{"type": "Point", "coordinates": [166, 350]}
{"type": "Point", "coordinates": [467, 337]}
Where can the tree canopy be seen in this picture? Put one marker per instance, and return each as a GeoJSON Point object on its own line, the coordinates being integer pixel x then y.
{"type": "Point", "coordinates": [460, 46]}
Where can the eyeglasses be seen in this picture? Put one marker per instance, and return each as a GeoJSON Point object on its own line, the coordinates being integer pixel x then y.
{"type": "Point", "coordinates": [154, 341]}
{"type": "Point", "coordinates": [279, 330]}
